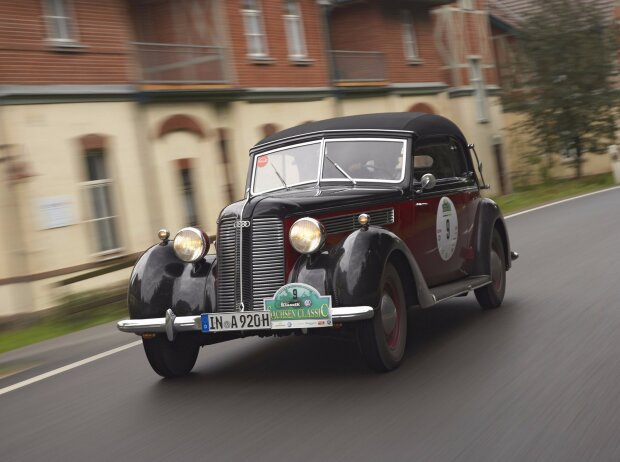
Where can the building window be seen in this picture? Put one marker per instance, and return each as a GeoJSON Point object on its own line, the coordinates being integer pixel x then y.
{"type": "Point", "coordinates": [99, 196]}
{"type": "Point", "coordinates": [254, 31]}
{"type": "Point", "coordinates": [294, 30]}
{"type": "Point", "coordinates": [60, 23]}
{"type": "Point", "coordinates": [477, 82]}
{"type": "Point", "coordinates": [467, 4]}
{"type": "Point", "coordinates": [409, 39]}
{"type": "Point", "coordinates": [187, 192]}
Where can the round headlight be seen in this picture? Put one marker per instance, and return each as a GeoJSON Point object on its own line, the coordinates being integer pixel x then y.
{"type": "Point", "coordinates": [307, 235]}
{"type": "Point", "coordinates": [190, 244]}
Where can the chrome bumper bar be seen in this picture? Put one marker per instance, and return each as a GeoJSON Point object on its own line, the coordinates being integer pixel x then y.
{"type": "Point", "coordinates": [172, 324]}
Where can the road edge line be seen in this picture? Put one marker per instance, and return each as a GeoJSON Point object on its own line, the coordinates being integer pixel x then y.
{"type": "Point", "coordinates": [516, 214]}
{"type": "Point", "coordinates": [68, 367]}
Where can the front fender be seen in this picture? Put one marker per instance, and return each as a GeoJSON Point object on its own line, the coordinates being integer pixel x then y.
{"type": "Point", "coordinates": [160, 280]}
{"type": "Point", "coordinates": [352, 270]}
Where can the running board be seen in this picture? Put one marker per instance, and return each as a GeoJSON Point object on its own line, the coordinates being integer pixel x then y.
{"type": "Point", "coordinates": [460, 287]}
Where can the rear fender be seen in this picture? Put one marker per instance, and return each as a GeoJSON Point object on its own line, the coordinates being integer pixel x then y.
{"type": "Point", "coordinates": [160, 280]}
{"type": "Point", "coordinates": [488, 218]}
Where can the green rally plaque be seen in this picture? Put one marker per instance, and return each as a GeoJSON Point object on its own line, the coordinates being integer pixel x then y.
{"type": "Point", "coordinates": [298, 306]}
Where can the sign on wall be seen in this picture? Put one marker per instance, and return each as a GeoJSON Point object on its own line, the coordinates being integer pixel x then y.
{"type": "Point", "coordinates": [55, 212]}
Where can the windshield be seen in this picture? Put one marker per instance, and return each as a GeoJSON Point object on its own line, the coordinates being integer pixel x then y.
{"type": "Point", "coordinates": [348, 160]}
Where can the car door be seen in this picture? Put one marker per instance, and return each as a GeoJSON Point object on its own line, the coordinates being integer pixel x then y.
{"type": "Point", "coordinates": [441, 236]}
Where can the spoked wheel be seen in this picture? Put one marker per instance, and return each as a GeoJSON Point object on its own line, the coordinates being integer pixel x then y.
{"type": "Point", "coordinates": [492, 295]}
{"type": "Point", "coordinates": [382, 340]}
{"type": "Point", "coordinates": [171, 359]}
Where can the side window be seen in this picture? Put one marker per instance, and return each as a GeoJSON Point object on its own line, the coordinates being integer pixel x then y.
{"type": "Point", "coordinates": [443, 159]}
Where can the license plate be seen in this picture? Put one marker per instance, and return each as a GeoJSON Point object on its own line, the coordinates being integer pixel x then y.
{"type": "Point", "coordinates": [222, 322]}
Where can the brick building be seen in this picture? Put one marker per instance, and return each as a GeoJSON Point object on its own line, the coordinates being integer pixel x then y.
{"type": "Point", "coordinates": [124, 116]}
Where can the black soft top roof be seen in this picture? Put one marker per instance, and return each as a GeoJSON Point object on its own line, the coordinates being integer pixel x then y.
{"type": "Point", "coordinates": [420, 123]}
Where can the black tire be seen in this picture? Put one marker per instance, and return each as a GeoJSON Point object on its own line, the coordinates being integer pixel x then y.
{"type": "Point", "coordinates": [171, 359]}
{"type": "Point", "coordinates": [492, 295]}
{"type": "Point", "coordinates": [384, 351]}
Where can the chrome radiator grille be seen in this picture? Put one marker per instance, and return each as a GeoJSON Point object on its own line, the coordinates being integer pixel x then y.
{"type": "Point", "coordinates": [227, 265]}
{"type": "Point", "coordinates": [250, 272]}
{"type": "Point", "coordinates": [346, 223]}
{"type": "Point", "coordinates": [267, 259]}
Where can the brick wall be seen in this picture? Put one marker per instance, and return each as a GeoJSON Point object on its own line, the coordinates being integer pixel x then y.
{"type": "Point", "coordinates": [27, 57]}
{"type": "Point", "coordinates": [372, 27]}
{"type": "Point", "coordinates": [281, 71]}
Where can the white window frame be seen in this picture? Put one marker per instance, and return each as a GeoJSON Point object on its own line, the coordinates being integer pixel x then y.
{"type": "Point", "coordinates": [255, 40]}
{"type": "Point", "coordinates": [410, 41]}
{"type": "Point", "coordinates": [103, 183]}
{"type": "Point", "coordinates": [476, 79]}
{"type": "Point", "coordinates": [60, 16]}
{"type": "Point", "coordinates": [293, 25]}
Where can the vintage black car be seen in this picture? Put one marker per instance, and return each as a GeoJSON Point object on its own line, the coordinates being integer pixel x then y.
{"type": "Point", "coordinates": [346, 224]}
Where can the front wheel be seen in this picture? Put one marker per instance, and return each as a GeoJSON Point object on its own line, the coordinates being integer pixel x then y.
{"type": "Point", "coordinates": [383, 338]}
{"type": "Point", "coordinates": [171, 359]}
{"type": "Point", "coordinates": [492, 295]}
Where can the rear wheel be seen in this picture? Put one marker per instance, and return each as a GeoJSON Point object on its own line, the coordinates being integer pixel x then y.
{"type": "Point", "coordinates": [492, 295]}
{"type": "Point", "coordinates": [383, 338]}
{"type": "Point", "coordinates": [171, 359]}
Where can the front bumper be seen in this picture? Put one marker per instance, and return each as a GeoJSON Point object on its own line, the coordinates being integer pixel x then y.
{"type": "Point", "coordinates": [171, 324]}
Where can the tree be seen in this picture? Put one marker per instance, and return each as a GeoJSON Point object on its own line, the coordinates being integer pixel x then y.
{"type": "Point", "coordinates": [567, 54]}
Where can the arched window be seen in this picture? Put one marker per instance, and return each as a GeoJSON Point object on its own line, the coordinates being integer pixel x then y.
{"type": "Point", "coordinates": [270, 129]}
{"type": "Point", "coordinates": [422, 107]}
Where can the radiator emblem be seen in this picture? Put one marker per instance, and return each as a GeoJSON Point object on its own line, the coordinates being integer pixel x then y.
{"type": "Point", "coordinates": [242, 224]}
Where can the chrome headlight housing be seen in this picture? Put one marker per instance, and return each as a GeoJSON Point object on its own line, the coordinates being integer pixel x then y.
{"type": "Point", "coordinates": [307, 235]}
{"type": "Point", "coordinates": [190, 244]}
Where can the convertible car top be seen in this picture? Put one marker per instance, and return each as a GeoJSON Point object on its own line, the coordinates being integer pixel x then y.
{"type": "Point", "coordinates": [417, 123]}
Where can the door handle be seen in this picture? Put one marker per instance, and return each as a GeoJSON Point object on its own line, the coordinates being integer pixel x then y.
{"type": "Point", "coordinates": [421, 204]}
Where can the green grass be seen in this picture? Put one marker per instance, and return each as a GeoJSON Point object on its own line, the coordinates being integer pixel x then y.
{"type": "Point", "coordinates": [60, 324]}
{"type": "Point", "coordinates": [553, 191]}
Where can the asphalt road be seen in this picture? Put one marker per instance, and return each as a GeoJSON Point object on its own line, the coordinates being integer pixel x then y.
{"type": "Point", "coordinates": [538, 379]}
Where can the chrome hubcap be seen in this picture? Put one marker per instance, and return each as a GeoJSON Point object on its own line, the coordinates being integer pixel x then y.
{"type": "Point", "coordinates": [388, 314]}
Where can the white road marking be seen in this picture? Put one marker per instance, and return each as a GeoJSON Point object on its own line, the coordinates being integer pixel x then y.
{"type": "Point", "coordinates": [60, 370]}
{"type": "Point", "coordinates": [68, 367]}
{"type": "Point", "coordinates": [561, 202]}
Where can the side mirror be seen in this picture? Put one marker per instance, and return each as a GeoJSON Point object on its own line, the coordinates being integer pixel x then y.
{"type": "Point", "coordinates": [428, 181]}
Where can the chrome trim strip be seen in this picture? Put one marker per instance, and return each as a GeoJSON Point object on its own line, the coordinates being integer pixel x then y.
{"type": "Point", "coordinates": [258, 146]}
{"type": "Point", "coordinates": [194, 323]}
{"type": "Point", "coordinates": [431, 193]}
{"type": "Point", "coordinates": [241, 305]}
{"type": "Point", "coordinates": [469, 288]}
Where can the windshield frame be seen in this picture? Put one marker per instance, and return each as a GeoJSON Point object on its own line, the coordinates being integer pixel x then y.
{"type": "Point", "coordinates": [318, 178]}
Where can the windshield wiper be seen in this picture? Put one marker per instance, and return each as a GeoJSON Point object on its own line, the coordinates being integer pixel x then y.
{"type": "Point", "coordinates": [340, 169]}
{"type": "Point", "coordinates": [280, 177]}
